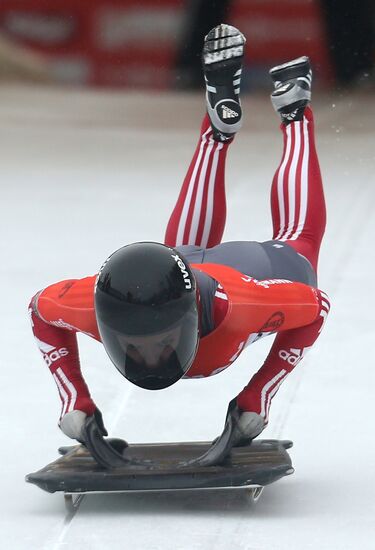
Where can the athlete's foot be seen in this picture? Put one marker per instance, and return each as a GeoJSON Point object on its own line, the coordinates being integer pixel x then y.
{"type": "Point", "coordinates": [222, 66]}
{"type": "Point", "coordinates": [292, 93]}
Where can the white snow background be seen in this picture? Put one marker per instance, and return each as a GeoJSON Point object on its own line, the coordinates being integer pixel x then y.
{"type": "Point", "coordinates": [84, 173]}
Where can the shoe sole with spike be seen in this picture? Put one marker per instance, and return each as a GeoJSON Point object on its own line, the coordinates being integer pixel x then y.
{"type": "Point", "coordinates": [292, 93]}
{"type": "Point", "coordinates": [222, 66]}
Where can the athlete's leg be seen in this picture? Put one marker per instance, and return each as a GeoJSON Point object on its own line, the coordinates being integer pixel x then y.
{"type": "Point", "coordinates": [199, 214]}
{"type": "Point", "coordinates": [297, 198]}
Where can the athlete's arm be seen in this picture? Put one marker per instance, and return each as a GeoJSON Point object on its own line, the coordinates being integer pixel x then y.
{"type": "Point", "coordinates": [57, 313]}
{"type": "Point", "coordinates": [288, 349]}
{"type": "Point", "coordinates": [278, 305]}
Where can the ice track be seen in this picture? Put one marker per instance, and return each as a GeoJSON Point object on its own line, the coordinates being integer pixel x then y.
{"type": "Point", "coordinates": [82, 174]}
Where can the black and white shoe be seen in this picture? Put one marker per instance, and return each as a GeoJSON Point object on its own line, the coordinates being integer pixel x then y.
{"type": "Point", "coordinates": [292, 93]}
{"type": "Point", "coordinates": [222, 66]}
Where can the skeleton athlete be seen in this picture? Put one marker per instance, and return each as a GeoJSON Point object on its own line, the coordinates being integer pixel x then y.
{"type": "Point", "coordinates": [187, 308]}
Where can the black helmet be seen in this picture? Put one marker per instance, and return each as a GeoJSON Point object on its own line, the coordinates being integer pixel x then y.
{"type": "Point", "coordinates": [147, 315]}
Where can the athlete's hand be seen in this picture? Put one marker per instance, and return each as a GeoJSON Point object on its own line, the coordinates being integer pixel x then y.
{"type": "Point", "coordinates": [73, 423]}
{"type": "Point", "coordinates": [248, 425]}
{"type": "Point", "coordinates": [240, 428]}
{"type": "Point", "coordinates": [245, 425]}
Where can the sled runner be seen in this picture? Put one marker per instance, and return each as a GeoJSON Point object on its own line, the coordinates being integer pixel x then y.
{"type": "Point", "coordinates": [165, 467]}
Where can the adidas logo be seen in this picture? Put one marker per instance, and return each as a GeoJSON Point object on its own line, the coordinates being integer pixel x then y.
{"type": "Point", "coordinates": [280, 88]}
{"type": "Point", "coordinates": [290, 116]}
{"type": "Point", "coordinates": [293, 356]}
{"type": "Point", "coordinates": [51, 353]}
{"type": "Point", "coordinates": [228, 113]}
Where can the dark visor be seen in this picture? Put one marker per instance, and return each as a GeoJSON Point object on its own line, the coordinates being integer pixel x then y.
{"type": "Point", "coordinates": [172, 359]}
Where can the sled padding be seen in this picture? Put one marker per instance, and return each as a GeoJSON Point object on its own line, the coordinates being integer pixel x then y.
{"type": "Point", "coordinates": [261, 463]}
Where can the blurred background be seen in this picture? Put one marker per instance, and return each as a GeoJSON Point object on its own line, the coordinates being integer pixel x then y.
{"type": "Point", "coordinates": [100, 107]}
{"type": "Point", "coordinates": [156, 44]}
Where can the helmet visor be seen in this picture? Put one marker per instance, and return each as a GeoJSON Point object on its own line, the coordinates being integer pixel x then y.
{"type": "Point", "coordinates": [157, 360]}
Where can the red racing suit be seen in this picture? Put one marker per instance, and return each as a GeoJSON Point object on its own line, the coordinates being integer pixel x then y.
{"type": "Point", "coordinates": [245, 310]}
